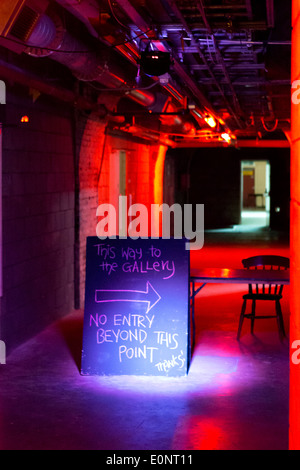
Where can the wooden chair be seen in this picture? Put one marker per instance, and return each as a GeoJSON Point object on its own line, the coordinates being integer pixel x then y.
{"type": "Point", "coordinates": [264, 292]}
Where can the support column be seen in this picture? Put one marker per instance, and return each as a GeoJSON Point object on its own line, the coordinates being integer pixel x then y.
{"type": "Point", "coordinates": [295, 236]}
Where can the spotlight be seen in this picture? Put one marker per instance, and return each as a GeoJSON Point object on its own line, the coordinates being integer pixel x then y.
{"type": "Point", "coordinates": [24, 119]}
{"type": "Point", "coordinates": [155, 63]}
{"type": "Point", "coordinates": [210, 121]}
{"type": "Point", "coordinates": [226, 137]}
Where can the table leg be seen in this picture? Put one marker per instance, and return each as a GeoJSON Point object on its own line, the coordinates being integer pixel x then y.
{"type": "Point", "coordinates": [195, 292]}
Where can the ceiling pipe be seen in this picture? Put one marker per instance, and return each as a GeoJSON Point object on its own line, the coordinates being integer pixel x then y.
{"type": "Point", "coordinates": [84, 11]}
{"type": "Point", "coordinates": [142, 97]}
{"type": "Point", "coordinates": [171, 119]}
{"type": "Point", "coordinates": [174, 8]}
{"type": "Point", "coordinates": [90, 9]}
{"type": "Point", "coordinates": [48, 37]}
{"type": "Point", "coordinates": [270, 13]}
{"type": "Point", "coordinates": [255, 143]}
{"type": "Point", "coordinates": [237, 106]}
{"type": "Point", "coordinates": [89, 65]}
{"type": "Point", "coordinates": [249, 10]}
{"type": "Point", "coordinates": [144, 27]}
{"type": "Point", "coordinates": [138, 20]}
{"type": "Point", "coordinates": [10, 72]}
{"type": "Point", "coordinates": [200, 27]}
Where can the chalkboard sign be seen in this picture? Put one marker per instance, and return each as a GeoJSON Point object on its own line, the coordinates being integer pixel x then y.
{"type": "Point", "coordinates": [136, 319]}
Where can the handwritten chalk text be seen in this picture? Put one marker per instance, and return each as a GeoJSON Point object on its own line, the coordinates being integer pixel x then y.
{"type": "Point", "coordinates": [176, 361]}
{"type": "Point", "coordinates": [137, 353]}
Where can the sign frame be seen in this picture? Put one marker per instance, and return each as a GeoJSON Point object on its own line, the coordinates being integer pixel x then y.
{"type": "Point", "coordinates": [137, 308]}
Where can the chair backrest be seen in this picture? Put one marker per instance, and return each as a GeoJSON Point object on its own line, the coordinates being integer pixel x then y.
{"type": "Point", "coordinates": [271, 262]}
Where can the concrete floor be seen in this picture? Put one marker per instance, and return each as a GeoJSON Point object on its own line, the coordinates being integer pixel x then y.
{"type": "Point", "coordinates": [235, 396]}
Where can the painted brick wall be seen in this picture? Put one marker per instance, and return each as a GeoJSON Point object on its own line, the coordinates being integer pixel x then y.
{"type": "Point", "coordinates": [38, 217]}
{"type": "Point", "coordinates": [95, 173]}
{"type": "Point", "coordinates": [90, 143]}
{"type": "Point", "coordinates": [56, 171]}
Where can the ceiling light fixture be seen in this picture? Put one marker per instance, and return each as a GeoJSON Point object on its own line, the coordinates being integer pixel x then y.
{"type": "Point", "coordinates": [226, 137]}
{"type": "Point", "coordinates": [155, 63]}
{"type": "Point", "coordinates": [210, 121]}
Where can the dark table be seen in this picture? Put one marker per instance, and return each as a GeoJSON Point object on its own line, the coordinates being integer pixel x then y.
{"type": "Point", "coordinates": [232, 276]}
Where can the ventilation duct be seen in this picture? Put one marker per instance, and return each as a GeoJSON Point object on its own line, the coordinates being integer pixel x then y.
{"type": "Point", "coordinates": [18, 19]}
{"type": "Point", "coordinates": [84, 10]}
{"type": "Point", "coordinates": [50, 34]}
{"type": "Point", "coordinates": [28, 29]}
{"type": "Point", "coordinates": [44, 32]}
{"type": "Point", "coordinates": [44, 35]}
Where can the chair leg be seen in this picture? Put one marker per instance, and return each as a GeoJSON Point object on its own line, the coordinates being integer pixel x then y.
{"type": "Point", "coordinates": [253, 316]}
{"type": "Point", "coordinates": [242, 317]}
{"type": "Point", "coordinates": [280, 321]}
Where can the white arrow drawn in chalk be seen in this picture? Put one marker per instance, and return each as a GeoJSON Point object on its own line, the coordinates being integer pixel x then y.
{"type": "Point", "coordinates": [150, 296]}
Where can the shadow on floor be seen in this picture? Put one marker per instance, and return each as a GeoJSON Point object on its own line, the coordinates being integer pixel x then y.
{"type": "Point", "coordinates": [71, 329]}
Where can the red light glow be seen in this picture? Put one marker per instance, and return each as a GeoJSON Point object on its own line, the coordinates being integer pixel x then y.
{"type": "Point", "coordinates": [226, 137]}
{"type": "Point", "coordinates": [25, 119]}
{"type": "Point", "coordinates": [201, 433]}
{"type": "Point", "coordinates": [210, 121]}
{"type": "Point", "coordinates": [226, 272]}
{"type": "Point", "coordinates": [295, 236]}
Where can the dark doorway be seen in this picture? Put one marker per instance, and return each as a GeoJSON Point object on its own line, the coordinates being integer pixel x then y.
{"type": "Point", "coordinates": [256, 181]}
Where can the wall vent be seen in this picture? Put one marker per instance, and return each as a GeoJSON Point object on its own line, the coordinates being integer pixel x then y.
{"type": "Point", "coordinates": [24, 24]}
{"type": "Point", "coordinates": [18, 19]}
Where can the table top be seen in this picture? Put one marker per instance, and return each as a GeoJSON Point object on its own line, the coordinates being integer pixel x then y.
{"type": "Point", "coordinates": [240, 276]}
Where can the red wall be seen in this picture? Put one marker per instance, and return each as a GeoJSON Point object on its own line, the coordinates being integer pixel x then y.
{"type": "Point", "coordinates": [295, 236]}
{"type": "Point", "coordinates": [144, 177]}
